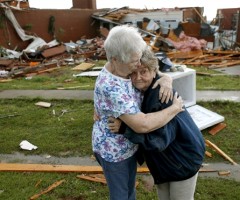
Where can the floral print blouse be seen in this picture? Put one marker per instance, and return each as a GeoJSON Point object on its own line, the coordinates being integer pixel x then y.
{"type": "Point", "coordinates": [113, 96]}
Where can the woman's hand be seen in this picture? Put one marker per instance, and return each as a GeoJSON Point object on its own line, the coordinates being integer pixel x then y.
{"type": "Point", "coordinates": [95, 116]}
{"type": "Point", "coordinates": [178, 102]}
{"type": "Point", "coordinates": [166, 92]}
{"type": "Point", "coordinates": [114, 124]}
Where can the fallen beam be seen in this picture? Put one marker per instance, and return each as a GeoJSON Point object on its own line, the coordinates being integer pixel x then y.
{"type": "Point", "coordinates": [17, 167]}
{"type": "Point", "coordinates": [51, 187]}
{"type": "Point", "coordinates": [220, 152]}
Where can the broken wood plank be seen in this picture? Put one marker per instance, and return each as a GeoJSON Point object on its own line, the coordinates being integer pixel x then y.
{"type": "Point", "coordinates": [93, 178]}
{"type": "Point", "coordinates": [97, 178]}
{"type": "Point", "coordinates": [214, 58]}
{"type": "Point", "coordinates": [221, 52]}
{"type": "Point", "coordinates": [237, 62]}
{"type": "Point", "coordinates": [51, 187]}
{"type": "Point", "coordinates": [189, 54]}
{"type": "Point", "coordinates": [217, 128]}
{"type": "Point", "coordinates": [208, 154]}
{"type": "Point", "coordinates": [207, 170]}
{"type": "Point", "coordinates": [193, 59]}
{"type": "Point", "coordinates": [38, 183]}
{"type": "Point", "coordinates": [19, 167]}
{"type": "Point", "coordinates": [220, 152]}
{"type": "Point", "coordinates": [199, 62]}
{"type": "Point", "coordinates": [202, 18]}
{"type": "Point", "coordinates": [224, 173]}
{"type": "Point", "coordinates": [83, 66]}
{"type": "Point", "coordinates": [6, 62]}
{"type": "Point", "coordinates": [47, 70]}
{"type": "Point", "coordinates": [47, 53]}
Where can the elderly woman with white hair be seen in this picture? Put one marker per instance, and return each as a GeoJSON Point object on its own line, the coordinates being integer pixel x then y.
{"type": "Point", "coordinates": [114, 95]}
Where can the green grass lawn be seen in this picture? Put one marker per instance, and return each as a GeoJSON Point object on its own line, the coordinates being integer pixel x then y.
{"type": "Point", "coordinates": [70, 135]}
{"type": "Point", "coordinates": [63, 78]}
{"type": "Point", "coordinates": [21, 186]}
{"type": "Point", "coordinates": [221, 82]}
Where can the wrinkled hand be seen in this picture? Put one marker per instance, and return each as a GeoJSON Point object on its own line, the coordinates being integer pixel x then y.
{"type": "Point", "coordinates": [166, 92]}
{"type": "Point", "coordinates": [114, 124]}
{"type": "Point", "coordinates": [178, 102]}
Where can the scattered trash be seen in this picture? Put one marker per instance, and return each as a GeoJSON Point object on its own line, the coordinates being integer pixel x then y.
{"type": "Point", "coordinates": [48, 156]}
{"type": "Point", "coordinates": [43, 104]}
{"type": "Point", "coordinates": [164, 62]}
{"type": "Point", "coordinates": [25, 145]}
{"type": "Point", "coordinates": [3, 73]}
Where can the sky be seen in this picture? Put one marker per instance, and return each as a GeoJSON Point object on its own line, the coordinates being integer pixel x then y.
{"type": "Point", "coordinates": [210, 6]}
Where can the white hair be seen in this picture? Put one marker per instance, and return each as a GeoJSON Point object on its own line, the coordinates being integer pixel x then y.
{"type": "Point", "coordinates": [122, 42]}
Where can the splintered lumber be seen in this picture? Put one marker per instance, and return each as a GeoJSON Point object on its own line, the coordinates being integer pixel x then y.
{"type": "Point", "coordinates": [224, 173]}
{"type": "Point", "coordinates": [236, 53]}
{"type": "Point", "coordinates": [99, 178]}
{"type": "Point", "coordinates": [193, 59]}
{"type": "Point", "coordinates": [51, 187]}
{"type": "Point", "coordinates": [47, 53]}
{"type": "Point", "coordinates": [204, 20]}
{"type": "Point", "coordinates": [93, 178]}
{"type": "Point", "coordinates": [219, 151]}
{"type": "Point", "coordinates": [216, 58]}
{"type": "Point", "coordinates": [83, 66]}
{"type": "Point", "coordinates": [189, 54]}
{"type": "Point", "coordinates": [236, 62]}
{"type": "Point", "coordinates": [19, 167]}
{"type": "Point", "coordinates": [208, 154]}
{"type": "Point", "coordinates": [217, 128]}
{"type": "Point", "coordinates": [208, 170]}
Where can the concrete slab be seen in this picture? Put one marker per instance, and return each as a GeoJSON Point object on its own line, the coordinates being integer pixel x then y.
{"type": "Point", "coordinates": [234, 70]}
{"type": "Point", "coordinates": [209, 95]}
{"type": "Point", "coordinates": [212, 95]}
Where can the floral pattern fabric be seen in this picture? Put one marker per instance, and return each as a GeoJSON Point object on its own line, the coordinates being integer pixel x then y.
{"type": "Point", "coordinates": [113, 96]}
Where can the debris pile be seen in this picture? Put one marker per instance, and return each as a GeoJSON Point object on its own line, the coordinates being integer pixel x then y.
{"type": "Point", "coordinates": [46, 59]}
{"type": "Point", "coordinates": [185, 40]}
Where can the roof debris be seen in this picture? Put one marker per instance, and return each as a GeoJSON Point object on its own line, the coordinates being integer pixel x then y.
{"type": "Point", "coordinates": [181, 33]}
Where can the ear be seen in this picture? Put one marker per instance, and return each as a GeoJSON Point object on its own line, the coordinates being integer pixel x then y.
{"type": "Point", "coordinates": [113, 59]}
